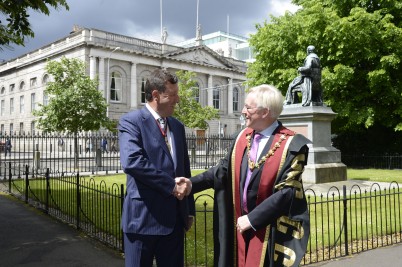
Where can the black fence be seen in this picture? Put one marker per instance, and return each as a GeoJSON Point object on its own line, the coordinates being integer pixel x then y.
{"type": "Point", "coordinates": [343, 222]}
{"type": "Point", "coordinates": [57, 153]}
{"type": "Point", "coordinates": [385, 161]}
{"type": "Point", "coordinates": [95, 152]}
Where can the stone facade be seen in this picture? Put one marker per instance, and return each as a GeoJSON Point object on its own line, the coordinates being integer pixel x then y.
{"type": "Point", "coordinates": [123, 63]}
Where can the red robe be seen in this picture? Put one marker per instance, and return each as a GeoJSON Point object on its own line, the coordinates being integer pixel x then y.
{"type": "Point", "coordinates": [279, 214]}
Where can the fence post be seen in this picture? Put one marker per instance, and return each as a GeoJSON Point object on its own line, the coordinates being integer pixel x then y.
{"type": "Point", "coordinates": [78, 201]}
{"type": "Point", "coordinates": [345, 219]}
{"type": "Point", "coordinates": [121, 204]}
{"type": "Point", "coordinates": [47, 190]}
{"type": "Point", "coordinates": [26, 183]}
{"type": "Point", "coordinates": [9, 175]}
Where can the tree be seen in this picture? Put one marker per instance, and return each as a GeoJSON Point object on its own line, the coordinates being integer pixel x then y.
{"type": "Point", "coordinates": [358, 42]}
{"type": "Point", "coordinates": [189, 111]}
{"type": "Point", "coordinates": [75, 104]}
{"type": "Point", "coordinates": [17, 26]}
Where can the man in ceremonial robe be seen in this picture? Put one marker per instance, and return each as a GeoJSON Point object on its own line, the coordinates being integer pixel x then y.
{"type": "Point", "coordinates": [263, 221]}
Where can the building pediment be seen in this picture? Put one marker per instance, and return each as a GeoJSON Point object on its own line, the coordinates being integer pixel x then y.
{"type": "Point", "coordinates": [201, 55]}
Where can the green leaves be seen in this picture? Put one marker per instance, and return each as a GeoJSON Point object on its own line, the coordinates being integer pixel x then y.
{"type": "Point", "coordinates": [75, 103]}
{"type": "Point", "coordinates": [189, 111]}
{"type": "Point", "coordinates": [17, 26]}
{"type": "Point", "coordinates": [358, 43]}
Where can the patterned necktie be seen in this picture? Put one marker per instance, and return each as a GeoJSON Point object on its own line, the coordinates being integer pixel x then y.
{"type": "Point", "coordinates": [253, 157]}
{"type": "Point", "coordinates": [162, 124]}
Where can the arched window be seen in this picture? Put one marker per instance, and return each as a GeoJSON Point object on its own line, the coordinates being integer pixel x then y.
{"type": "Point", "coordinates": [143, 100]}
{"type": "Point", "coordinates": [116, 86]}
{"type": "Point", "coordinates": [236, 99]}
{"type": "Point", "coordinates": [216, 98]}
{"type": "Point", "coordinates": [196, 92]}
{"type": "Point", "coordinates": [45, 79]}
{"type": "Point", "coordinates": [22, 85]}
{"type": "Point", "coordinates": [3, 90]}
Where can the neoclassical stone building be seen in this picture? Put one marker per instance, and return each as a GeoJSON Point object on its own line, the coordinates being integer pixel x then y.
{"type": "Point", "coordinates": [122, 64]}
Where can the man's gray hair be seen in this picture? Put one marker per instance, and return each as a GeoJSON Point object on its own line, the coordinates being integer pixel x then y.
{"type": "Point", "coordinates": [269, 97]}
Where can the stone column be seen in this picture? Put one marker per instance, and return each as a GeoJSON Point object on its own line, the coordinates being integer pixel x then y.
{"type": "Point", "coordinates": [230, 96]}
{"type": "Point", "coordinates": [324, 161]}
{"type": "Point", "coordinates": [210, 91]}
{"type": "Point", "coordinates": [133, 87]}
{"type": "Point", "coordinates": [102, 76]}
{"type": "Point", "coordinates": [92, 67]}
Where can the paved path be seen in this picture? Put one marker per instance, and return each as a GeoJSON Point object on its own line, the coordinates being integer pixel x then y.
{"type": "Point", "coordinates": [390, 256]}
{"type": "Point", "coordinates": [30, 238]}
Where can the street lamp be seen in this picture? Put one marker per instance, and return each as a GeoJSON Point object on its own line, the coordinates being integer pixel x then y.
{"type": "Point", "coordinates": [107, 81]}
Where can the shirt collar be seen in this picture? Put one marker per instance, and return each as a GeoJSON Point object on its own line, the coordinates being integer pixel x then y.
{"type": "Point", "coordinates": [267, 132]}
{"type": "Point", "coordinates": [153, 112]}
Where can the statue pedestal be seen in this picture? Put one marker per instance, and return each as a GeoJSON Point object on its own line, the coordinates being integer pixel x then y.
{"type": "Point", "coordinates": [324, 161]}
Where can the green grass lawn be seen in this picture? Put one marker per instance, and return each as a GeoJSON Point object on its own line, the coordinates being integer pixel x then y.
{"type": "Point", "coordinates": [199, 241]}
{"type": "Point", "coordinates": [375, 175]}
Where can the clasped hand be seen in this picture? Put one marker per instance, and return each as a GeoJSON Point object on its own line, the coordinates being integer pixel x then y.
{"type": "Point", "coordinates": [182, 188]}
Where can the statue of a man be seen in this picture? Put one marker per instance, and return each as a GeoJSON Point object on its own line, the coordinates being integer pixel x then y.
{"type": "Point", "coordinates": [308, 83]}
{"type": "Point", "coordinates": [164, 35]}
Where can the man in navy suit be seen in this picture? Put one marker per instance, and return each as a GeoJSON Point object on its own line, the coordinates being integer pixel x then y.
{"type": "Point", "coordinates": [158, 207]}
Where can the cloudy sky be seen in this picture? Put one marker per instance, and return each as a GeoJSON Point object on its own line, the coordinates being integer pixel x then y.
{"type": "Point", "coordinates": [142, 19]}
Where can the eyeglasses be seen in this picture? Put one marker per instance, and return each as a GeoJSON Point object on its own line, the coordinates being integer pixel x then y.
{"type": "Point", "coordinates": [249, 109]}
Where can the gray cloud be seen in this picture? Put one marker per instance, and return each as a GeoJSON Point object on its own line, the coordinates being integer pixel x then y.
{"type": "Point", "coordinates": [141, 18]}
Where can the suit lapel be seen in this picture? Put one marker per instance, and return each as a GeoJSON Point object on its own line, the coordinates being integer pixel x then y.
{"type": "Point", "coordinates": [154, 131]}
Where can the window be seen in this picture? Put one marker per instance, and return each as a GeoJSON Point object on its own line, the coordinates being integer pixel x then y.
{"type": "Point", "coordinates": [115, 86]}
{"type": "Point", "coordinates": [33, 102]}
{"type": "Point", "coordinates": [235, 99]}
{"type": "Point", "coordinates": [45, 79]}
{"type": "Point", "coordinates": [45, 99]}
{"type": "Point", "coordinates": [22, 105]}
{"type": "Point", "coordinates": [33, 127]}
{"type": "Point", "coordinates": [22, 85]}
{"type": "Point", "coordinates": [11, 88]}
{"type": "Point", "coordinates": [32, 82]}
{"type": "Point", "coordinates": [2, 128]}
{"type": "Point", "coordinates": [11, 128]}
{"type": "Point", "coordinates": [216, 98]}
{"type": "Point", "coordinates": [143, 100]}
{"type": "Point", "coordinates": [12, 105]}
{"type": "Point", "coordinates": [2, 107]}
{"type": "Point", "coordinates": [3, 90]}
{"type": "Point", "coordinates": [196, 92]}
{"type": "Point", "coordinates": [21, 127]}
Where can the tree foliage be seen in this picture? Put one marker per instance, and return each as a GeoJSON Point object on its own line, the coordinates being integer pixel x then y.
{"type": "Point", "coordinates": [16, 25]}
{"type": "Point", "coordinates": [189, 111]}
{"type": "Point", "coordinates": [358, 42]}
{"type": "Point", "coordinates": [75, 103]}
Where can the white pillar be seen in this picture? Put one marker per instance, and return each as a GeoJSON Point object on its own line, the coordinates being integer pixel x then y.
{"type": "Point", "coordinates": [210, 92]}
{"type": "Point", "coordinates": [230, 96]}
{"type": "Point", "coordinates": [133, 87]}
{"type": "Point", "coordinates": [92, 67]}
{"type": "Point", "coordinates": [102, 76]}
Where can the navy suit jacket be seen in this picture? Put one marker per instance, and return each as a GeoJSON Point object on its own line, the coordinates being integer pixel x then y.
{"type": "Point", "coordinates": [150, 207]}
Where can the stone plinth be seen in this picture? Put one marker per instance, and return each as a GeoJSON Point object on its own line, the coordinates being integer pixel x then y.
{"type": "Point", "coordinates": [324, 161]}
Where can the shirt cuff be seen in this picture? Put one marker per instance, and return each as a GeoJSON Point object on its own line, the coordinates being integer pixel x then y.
{"type": "Point", "coordinates": [250, 223]}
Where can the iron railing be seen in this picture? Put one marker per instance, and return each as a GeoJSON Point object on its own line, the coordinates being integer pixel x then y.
{"type": "Point", "coordinates": [343, 222]}
{"type": "Point", "coordinates": [56, 152]}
